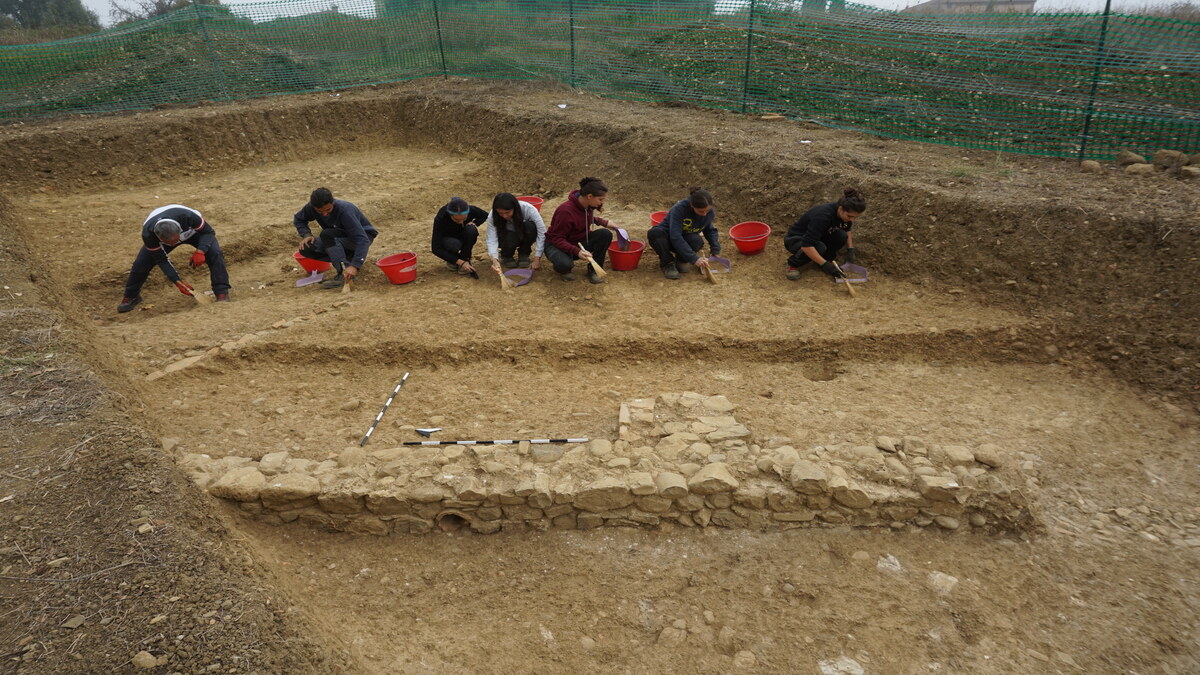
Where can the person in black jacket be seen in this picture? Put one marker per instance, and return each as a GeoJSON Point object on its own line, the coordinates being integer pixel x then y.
{"type": "Point", "coordinates": [680, 237]}
{"type": "Point", "coordinates": [823, 231]}
{"type": "Point", "coordinates": [165, 228]}
{"type": "Point", "coordinates": [455, 231]}
{"type": "Point", "coordinates": [345, 238]}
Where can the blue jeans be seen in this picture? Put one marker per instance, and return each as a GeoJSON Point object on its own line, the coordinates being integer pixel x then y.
{"type": "Point", "coordinates": [146, 261]}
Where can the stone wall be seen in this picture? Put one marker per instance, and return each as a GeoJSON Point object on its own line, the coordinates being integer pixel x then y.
{"type": "Point", "coordinates": [680, 460]}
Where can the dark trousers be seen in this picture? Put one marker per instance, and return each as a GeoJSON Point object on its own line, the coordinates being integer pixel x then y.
{"type": "Point", "coordinates": [513, 242]}
{"type": "Point", "coordinates": [146, 261]}
{"type": "Point", "coordinates": [660, 241]}
{"type": "Point", "coordinates": [464, 246]}
{"type": "Point", "coordinates": [831, 242]}
{"type": "Point", "coordinates": [332, 246]}
{"type": "Point", "coordinates": [597, 244]}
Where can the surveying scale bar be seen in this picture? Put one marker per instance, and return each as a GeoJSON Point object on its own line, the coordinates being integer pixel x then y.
{"type": "Point", "coordinates": [505, 442]}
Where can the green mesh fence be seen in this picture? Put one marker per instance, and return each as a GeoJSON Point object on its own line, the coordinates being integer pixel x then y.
{"type": "Point", "coordinates": [1061, 85]}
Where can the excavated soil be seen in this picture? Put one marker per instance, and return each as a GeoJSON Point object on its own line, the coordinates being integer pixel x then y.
{"type": "Point", "coordinates": [1012, 301]}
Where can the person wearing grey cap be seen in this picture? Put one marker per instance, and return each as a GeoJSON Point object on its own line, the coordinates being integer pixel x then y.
{"type": "Point", "coordinates": [164, 229]}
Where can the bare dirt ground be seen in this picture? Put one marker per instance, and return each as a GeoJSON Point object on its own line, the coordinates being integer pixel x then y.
{"type": "Point", "coordinates": [1012, 301]}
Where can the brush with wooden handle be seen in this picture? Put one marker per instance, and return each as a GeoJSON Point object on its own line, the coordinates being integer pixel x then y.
{"type": "Point", "coordinates": [709, 274]}
{"type": "Point", "coordinates": [202, 299]}
{"type": "Point", "coordinates": [347, 287]}
{"type": "Point", "coordinates": [846, 281]}
{"type": "Point", "coordinates": [505, 282]}
{"type": "Point", "coordinates": [595, 265]}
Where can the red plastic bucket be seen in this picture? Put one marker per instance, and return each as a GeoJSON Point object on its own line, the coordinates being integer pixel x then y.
{"type": "Point", "coordinates": [750, 237]}
{"type": "Point", "coordinates": [657, 217]}
{"type": "Point", "coordinates": [399, 268]}
{"type": "Point", "coordinates": [311, 265]}
{"type": "Point", "coordinates": [625, 261]}
{"type": "Point", "coordinates": [536, 202]}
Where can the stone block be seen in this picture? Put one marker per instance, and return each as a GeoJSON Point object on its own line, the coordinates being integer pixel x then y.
{"type": "Point", "coordinates": [605, 494]}
{"type": "Point", "coordinates": [937, 488]}
{"type": "Point", "coordinates": [289, 488]}
{"type": "Point", "coordinates": [671, 485]}
{"type": "Point", "coordinates": [641, 483]}
{"type": "Point", "coordinates": [712, 479]}
{"type": "Point", "coordinates": [808, 478]}
{"type": "Point", "coordinates": [243, 484]}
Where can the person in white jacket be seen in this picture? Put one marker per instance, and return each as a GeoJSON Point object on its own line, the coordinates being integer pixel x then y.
{"type": "Point", "coordinates": [515, 233]}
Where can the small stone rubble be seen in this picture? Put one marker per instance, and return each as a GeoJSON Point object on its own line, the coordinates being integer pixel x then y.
{"type": "Point", "coordinates": [680, 460]}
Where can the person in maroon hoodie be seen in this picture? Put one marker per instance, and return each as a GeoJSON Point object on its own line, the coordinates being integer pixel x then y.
{"type": "Point", "coordinates": [572, 226]}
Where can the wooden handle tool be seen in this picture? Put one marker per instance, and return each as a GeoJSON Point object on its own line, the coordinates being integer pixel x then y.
{"type": "Point", "coordinates": [595, 266]}
{"type": "Point", "coordinates": [201, 298]}
{"type": "Point", "coordinates": [846, 282]}
{"type": "Point", "coordinates": [347, 287]}
{"type": "Point", "coordinates": [708, 273]}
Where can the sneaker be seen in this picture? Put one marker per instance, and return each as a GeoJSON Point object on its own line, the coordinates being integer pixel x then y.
{"type": "Point", "coordinates": [462, 271]}
{"type": "Point", "coordinates": [452, 267]}
{"type": "Point", "coordinates": [336, 282]}
{"type": "Point", "coordinates": [128, 304]}
{"type": "Point", "coordinates": [569, 276]}
{"type": "Point", "coordinates": [595, 278]}
{"type": "Point", "coordinates": [793, 273]}
{"type": "Point", "coordinates": [523, 262]}
{"type": "Point", "coordinates": [670, 271]}
{"type": "Point", "coordinates": [222, 297]}
{"type": "Point", "coordinates": [508, 262]}
{"type": "Point", "coordinates": [683, 267]}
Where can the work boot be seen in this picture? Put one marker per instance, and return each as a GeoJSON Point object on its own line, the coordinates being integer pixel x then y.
{"type": "Point", "coordinates": [793, 273]}
{"type": "Point", "coordinates": [222, 297]}
{"type": "Point", "coordinates": [683, 267]}
{"type": "Point", "coordinates": [595, 278]}
{"type": "Point", "coordinates": [523, 262]}
{"type": "Point", "coordinates": [128, 304]}
{"type": "Point", "coordinates": [670, 271]}
{"type": "Point", "coordinates": [509, 262]}
{"type": "Point", "coordinates": [569, 276]}
{"type": "Point", "coordinates": [336, 282]}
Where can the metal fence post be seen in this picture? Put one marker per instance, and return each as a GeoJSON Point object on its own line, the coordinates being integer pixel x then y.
{"type": "Point", "coordinates": [1087, 116]}
{"type": "Point", "coordinates": [571, 28]}
{"type": "Point", "coordinates": [437, 22]}
{"type": "Point", "coordinates": [749, 47]}
{"type": "Point", "coordinates": [212, 56]}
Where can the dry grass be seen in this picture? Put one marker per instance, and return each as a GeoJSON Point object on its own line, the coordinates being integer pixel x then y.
{"type": "Point", "coordinates": [37, 383]}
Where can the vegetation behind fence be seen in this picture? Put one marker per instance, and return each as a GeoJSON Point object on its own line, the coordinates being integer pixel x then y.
{"type": "Point", "coordinates": [1083, 85]}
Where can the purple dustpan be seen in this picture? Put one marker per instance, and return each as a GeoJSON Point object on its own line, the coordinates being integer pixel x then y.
{"type": "Point", "coordinates": [855, 274]}
{"type": "Point", "coordinates": [722, 264]}
{"type": "Point", "coordinates": [519, 277]}
{"type": "Point", "coordinates": [310, 279]}
{"type": "Point", "coordinates": [622, 239]}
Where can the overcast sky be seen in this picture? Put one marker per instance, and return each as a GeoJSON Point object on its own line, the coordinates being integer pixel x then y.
{"type": "Point", "coordinates": [101, 7]}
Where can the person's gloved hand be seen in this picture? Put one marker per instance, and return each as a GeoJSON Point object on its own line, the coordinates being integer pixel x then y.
{"type": "Point", "coordinates": [184, 287]}
{"type": "Point", "coordinates": [830, 268]}
{"type": "Point", "coordinates": [851, 257]}
{"type": "Point", "coordinates": [198, 258]}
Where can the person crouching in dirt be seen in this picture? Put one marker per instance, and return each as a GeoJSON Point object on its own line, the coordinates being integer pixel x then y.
{"type": "Point", "coordinates": [571, 226]}
{"type": "Point", "coordinates": [515, 232]}
{"type": "Point", "coordinates": [345, 238]}
{"type": "Point", "coordinates": [455, 231]}
{"type": "Point", "coordinates": [166, 228]}
{"type": "Point", "coordinates": [823, 231]}
{"type": "Point", "coordinates": [679, 238]}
